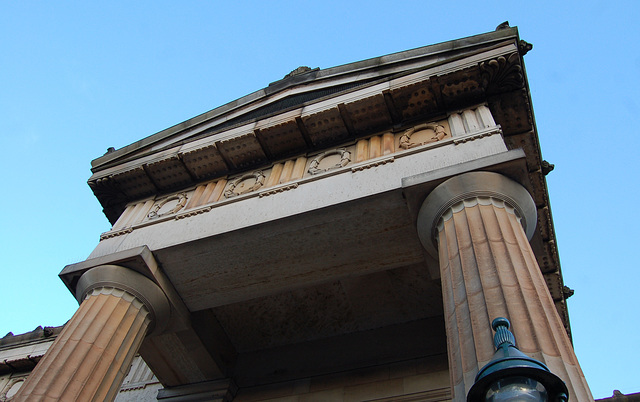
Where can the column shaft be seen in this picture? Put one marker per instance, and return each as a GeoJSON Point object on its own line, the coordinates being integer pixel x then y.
{"type": "Point", "coordinates": [91, 356]}
{"type": "Point", "coordinates": [489, 270]}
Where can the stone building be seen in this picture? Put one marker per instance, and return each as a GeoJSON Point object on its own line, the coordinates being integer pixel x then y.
{"type": "Point", "coordinates": [342, 234]}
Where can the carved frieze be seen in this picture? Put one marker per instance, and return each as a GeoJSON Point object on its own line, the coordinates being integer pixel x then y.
{"type": "Point", "coordinates": [421, 135]}
{"type": "Point", "coordinates": [324, 163]}
{"type": "Point", "coordinates": [286, 175]}
{"type": "Point", "coordinates": [168, 206]}
{"type": "Point", "coordinates": [245, 184]}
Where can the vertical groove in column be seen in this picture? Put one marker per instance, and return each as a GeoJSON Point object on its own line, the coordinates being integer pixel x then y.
{"type": "Point", "coordinates": [561, 343]}
{"type": "Point", "coordinates": [447, 255]}
{"type": "Point", "coordinates": [85, 352]}
{"type": "Point", "coordinates": [554, 349]}
{"type": "Point", "coordinates": [488, 270]}
{"type": "Point", "coordinates": [466, 298]}
{"type": "Point", "coordinates": [67, 346]}
{"type": "Point", "coordinates": [96, 347]}
{"type": "Point", "coordinates": [484, 278]}
{"type": "Point", "coordinates": [466, 286]}
{"type": "Point", "coordinates": [495, 299]}
{"type": "Point", "coordinates": [113, 370]}
{"type": "Point", "coordinates": [515, 299]}
{"type": "Point", "coordinates": [104, 351]}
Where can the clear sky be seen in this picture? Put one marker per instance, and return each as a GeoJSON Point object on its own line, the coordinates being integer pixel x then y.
{"type": "Point", "coordinates": [79, 77]}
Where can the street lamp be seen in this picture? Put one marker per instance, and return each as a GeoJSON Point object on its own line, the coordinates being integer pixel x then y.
{"type": "Point", "coordinates": [513, 376]}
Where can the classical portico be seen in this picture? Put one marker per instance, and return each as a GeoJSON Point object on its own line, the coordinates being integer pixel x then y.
{"type": "Point", "coordinates": [342, 234]}
{"type": "Point", "coordinates": [93, 353]}
{"type": "Point", "coordinates": [481, 222]}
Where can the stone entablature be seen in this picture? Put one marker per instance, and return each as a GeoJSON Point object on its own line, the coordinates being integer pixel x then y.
{"type": "Point", "coordinates": [462, 126]}
{"type": "Point", "coordinates": [315, 111]}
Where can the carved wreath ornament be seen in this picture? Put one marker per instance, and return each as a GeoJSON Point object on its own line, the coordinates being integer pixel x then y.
{"type": "Point", "coordinates": [181, 199]}
{"type": "Point", "coordinates": [236, 189]}
{"type": "Point", "coordinates": [345, 158]}
{"type": "Point", "coordinates": [438, 134]}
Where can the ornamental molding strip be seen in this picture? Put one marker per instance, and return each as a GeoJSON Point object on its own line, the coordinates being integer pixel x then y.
{"type": "Point", "coordinates": [279, 189]}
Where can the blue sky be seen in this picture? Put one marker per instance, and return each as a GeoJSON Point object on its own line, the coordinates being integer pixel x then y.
{"type": "Point", "coordinates": [79, 77]}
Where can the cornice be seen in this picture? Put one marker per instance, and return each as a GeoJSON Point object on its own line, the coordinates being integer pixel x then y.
{"type": "Point", "coordinates": [399, 101]}
{"type": "Point", "coordinates": [376, 67]}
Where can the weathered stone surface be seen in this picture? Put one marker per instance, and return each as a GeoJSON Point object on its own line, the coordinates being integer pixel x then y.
{"type": "Point", "coordinates": [488, 270]}
{"type": "Point", "coordinates": [92, 355]}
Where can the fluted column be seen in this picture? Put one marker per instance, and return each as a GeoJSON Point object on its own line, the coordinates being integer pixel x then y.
{"type": "Point", "coordinates": [478, 225]}
{"type": "Point", "coordinates": [90, 358]}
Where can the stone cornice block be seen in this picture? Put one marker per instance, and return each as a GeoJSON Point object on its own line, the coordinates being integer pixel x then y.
{"type": "Point", "coordinates": [141, 260]}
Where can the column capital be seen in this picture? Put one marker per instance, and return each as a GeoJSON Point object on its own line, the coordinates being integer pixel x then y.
{"type": "Point", "coordinates": [132, 282]}
{"type": "Point", "coordinates": [468, 186]}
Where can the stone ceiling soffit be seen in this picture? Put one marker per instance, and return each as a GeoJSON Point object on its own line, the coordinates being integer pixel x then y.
{"type": "Point", "coordinates": [512, 110]}
{"type": "Point", "coordinates": [461, 88]}
{"type": "Point", "coordinates": [415, 100]}
{"type": "Point", "coordinates": [209, 138]}
{"type": "Point", "coordinates": [111, 197]}
{"type": "Point", "coordinates": [242, 152]}
{"type": "Point", "coordinates": [135, 183]}
{"type": "Point", "coordinates": [129, 167]}
{"type": "Point", "coordinates": [326, 127]}
{"type": "Point", "coordinates": [204, 163]}
{"type": "Point", "coordinates": [282, 139]}
{"type": "Point", "coordinates": [169, 174]}
{"type": "Point", "coordinates": [108, 193]}
{"type": "Point", "coordinates": [369, 114]}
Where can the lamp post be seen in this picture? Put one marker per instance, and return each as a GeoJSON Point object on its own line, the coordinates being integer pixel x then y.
{"type": "Point", "coordinates": [513, 376]}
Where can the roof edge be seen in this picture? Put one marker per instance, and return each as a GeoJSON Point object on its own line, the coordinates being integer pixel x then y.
{"type": "Point", "coordinates": [314, 75]}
